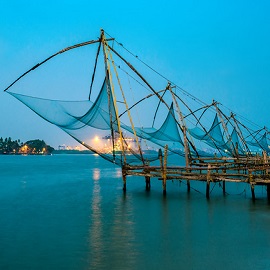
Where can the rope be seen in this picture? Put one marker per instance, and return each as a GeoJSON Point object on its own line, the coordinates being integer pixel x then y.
{"type": "Point", "coordinates": [94, 72]}
{"type": "Point", "coordinates": [196, 190]}
{"type": "Point", "coordinates": [178, 87]}
{"type": "Point", "coordinates": [158, 73]}
{"type": "Point", "coordinates": [52, 56]}
{"type": "Point", "coordinates": [213, 188]}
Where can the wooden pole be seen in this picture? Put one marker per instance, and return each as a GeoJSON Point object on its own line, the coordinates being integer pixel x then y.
{"type": "Point", "coordinates": [224, 185]}
{"type": "Point", "coordinates": [188, 186]}
{"type": "Point", "coordinates": [224, 188]}
{"type": "Point", "coordinates": [124, 176]}
{"type": "Point", "coordinates": [268, 191]}
{"type": "Point", "coordinates": [208, 182]}
{"type": "Point", "coordinates": [208, 189]}
{"type": "Point", "coordinates": [252, 192]}
{"type": "Point", "coordinates": [227, 134]}
{"type": "Point", "coordinates": [250, 178]}
{"type": "Point", "coordinates": [110, 91]}
{"type": "Point", "coordinates": [147, 183]}
{"type": "Point", "coordinates": [160, 156]}
{"type": "Point", "coordinates": [184, 130]}
{"type": "Point", "coordinates": [164, 171]}
{"type": "Point", "coordinates": [265, 161]}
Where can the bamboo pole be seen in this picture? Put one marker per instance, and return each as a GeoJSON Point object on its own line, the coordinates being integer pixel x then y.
{"type": "Point", "coordinates": [160, 157]}
{"type": "Point", "coordinates": [109, 74]}
{"type": "Point", "coordinates": [227, 134]}
{"type": "Point", "coordinates": [164, 171]}
{"type": "Point", "coordinates": [208, 181]}
{"type": "Point", "coordinates": [265, 161]}
{"type": "Point", "coordinates": [184, 130]}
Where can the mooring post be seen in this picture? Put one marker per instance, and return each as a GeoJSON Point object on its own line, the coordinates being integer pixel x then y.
{"type": "Point", "coordinates": [124, 176]}
{"type": "Point", "coordinates": [164, 186]}
{"type": "Point", "coordinates": [208, 178]}
{"type": "Point", "coordinates": [268, 191]}
{"type": "Point", "coordinates": [251, 182]}
{"type": "Point", "coordinates": [224, 184]}
{"type": "Point", "coordinates": [207, 189]}
{"type": "Point", "coordinates": [188, 186]}
{"type": "Point", "coordinates": [160, 156]}
{"type": "Point", "coordinates": [164, 171]}
{"type": "Point", "coordinates": [265, 161]}
{"type": "Point", "coordinates": [252, 192]}
{"type": "Point", "coordinates": [147, 183]}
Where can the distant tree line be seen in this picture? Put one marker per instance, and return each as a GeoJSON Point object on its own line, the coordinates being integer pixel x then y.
{"type": "Point", "coordinates": [32, 147]}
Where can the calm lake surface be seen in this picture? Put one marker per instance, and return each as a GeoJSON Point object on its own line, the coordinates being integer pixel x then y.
{"type": "Point", "coordinates": [69, 212]}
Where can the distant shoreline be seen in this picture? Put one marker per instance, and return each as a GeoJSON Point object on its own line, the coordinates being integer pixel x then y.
{"type": "Point", "coordinates": [60, 152]}
{"type": "Point", "coordinates": [55, 152]}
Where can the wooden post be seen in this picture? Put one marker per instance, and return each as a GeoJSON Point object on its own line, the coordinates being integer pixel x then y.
{"type": "Point", "coordinates": [188, 186]}
{"type": "Point", "coordinates": [208, 189]}
{"type": "Point", "coordinates": [224, 188]}
{"type": "Point", "coordinates": [224, 184]}
{"type": "Point", "coordinates": [227, 134]}
{"type": "Point", "coordinates": [160, 156]}
{"type": "Point", "coordinates": [208, 178]}
{"type": "Point", "coordinates": [184, 130]}
{"type": "Point", "coordinates": [124, 176]}
{"type": "Point", "coordinates": [147, 183]}
{"type": "Point", "coordinates": [265, 161]}
{"type": "Point", "coordinates": [252, 192]}
{"type": "Point", "coordinates": [268, 191]}
{"type": "Point", "coordinates": [250, 178]}
{"type": "Point", "coordinates": [164, 171]}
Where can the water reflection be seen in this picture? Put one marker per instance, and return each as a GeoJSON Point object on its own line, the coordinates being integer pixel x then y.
{"type": "Point", "coordinates": [118, 172]}
{"type": "Point", "coordinates": [96, 237]}
{"type": "Point", "coordinates": [123, 252]}
{"type": "Point", "coordinates": [111, 234]}
{"type": "Point", "coordinates": [96, 174]}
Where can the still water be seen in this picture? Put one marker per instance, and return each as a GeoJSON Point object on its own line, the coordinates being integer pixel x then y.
{"type": "Point", "coordinates": [69, 212]}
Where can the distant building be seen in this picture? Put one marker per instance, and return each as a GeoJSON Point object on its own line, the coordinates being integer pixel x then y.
{"type": "Point", "coordinates": [62, 147]}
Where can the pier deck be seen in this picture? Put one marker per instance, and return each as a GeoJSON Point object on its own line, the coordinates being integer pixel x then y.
{"type": "Point", "coordinates": [253, 171]}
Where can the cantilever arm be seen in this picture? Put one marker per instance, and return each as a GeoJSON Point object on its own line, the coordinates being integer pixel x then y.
{"type": "Point", "coordinates": [47, 59]}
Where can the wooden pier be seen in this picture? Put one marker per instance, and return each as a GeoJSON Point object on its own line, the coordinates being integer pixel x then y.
{"type": "Point", "coordinates": [250, 170]}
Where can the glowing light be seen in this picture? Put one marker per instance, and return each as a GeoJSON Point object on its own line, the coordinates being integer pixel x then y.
{"type": "Point", "coordinates": [96, 139]}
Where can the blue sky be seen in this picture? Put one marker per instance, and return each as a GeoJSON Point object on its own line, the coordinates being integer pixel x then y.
{"type": "Point", "coordinates": [213, 49]}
